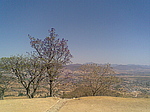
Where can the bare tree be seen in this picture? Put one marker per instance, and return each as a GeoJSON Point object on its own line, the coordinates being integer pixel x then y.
{"type": "Point", "coordinates": [97, 79]}
{"type": "Point", "coordinates": [4, 84]}
{"type": "Point", "coordinates": [53, 53]}
{"type": "Point", "coordinates": [27, 69]}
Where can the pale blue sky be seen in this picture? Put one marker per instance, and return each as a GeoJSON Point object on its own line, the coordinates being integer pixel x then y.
{"type": "Point", "coordinates": [100, 31]}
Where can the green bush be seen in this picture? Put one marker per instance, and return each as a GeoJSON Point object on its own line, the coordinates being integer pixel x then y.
{"type": "Point", "coordinates": [21, 94]}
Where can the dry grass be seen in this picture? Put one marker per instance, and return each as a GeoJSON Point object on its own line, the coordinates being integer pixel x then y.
{"type": "Point", "coordinates": [84, 104]}
{"type": "Point", "coordinates": [107, 104]}
{"type": "Point", "coordinates": [27, 105]}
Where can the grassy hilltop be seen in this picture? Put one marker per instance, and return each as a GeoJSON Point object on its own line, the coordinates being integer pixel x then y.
{"type": "Point", "coordinates": [107, 104]}
{"type": "Point", "coordinates": [83, 104]}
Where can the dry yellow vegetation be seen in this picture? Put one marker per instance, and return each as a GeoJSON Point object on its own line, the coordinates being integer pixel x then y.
{"type": "Point", "coordinates": [107, 104]}
{"type": "Point", "coordinates": [84, 104]}
{"type": "Point", "coordinates": [27, 105]}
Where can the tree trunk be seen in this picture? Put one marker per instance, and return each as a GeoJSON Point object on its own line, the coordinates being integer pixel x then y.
{"type": "Point", "coordinates": [28, 93]}
{"type": "Point", "coordinates": [34, 91]}
{"type": "Point", "coordinates": [1, 96]}
{"type": "Point", "coordinates": [2, 91]}
{"type": "Point", "coordinates": [32, 95]}
{"type": "Point", "coordinates": [50, 88]}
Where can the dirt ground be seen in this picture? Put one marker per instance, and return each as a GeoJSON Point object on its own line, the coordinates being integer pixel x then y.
{"type": "Point", "coordinates": [27, 105]}
{"type": "Point", "coordinates": [84, 104]}
{"type": "Point", "coordinates": [107, 104]}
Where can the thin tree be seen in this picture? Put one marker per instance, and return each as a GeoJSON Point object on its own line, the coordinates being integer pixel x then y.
{"type": "Point", "coordinates": [27, 70]}
{"type": "Point", "coordinates": [5, 83]}
{"type": "Point", "coordinates": [54, 53]}
{"type": "Point", "coordinates": [98, 79]}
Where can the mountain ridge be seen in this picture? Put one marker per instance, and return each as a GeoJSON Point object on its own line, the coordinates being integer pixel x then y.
{"type": "Point", "coordinates": [120, 68]}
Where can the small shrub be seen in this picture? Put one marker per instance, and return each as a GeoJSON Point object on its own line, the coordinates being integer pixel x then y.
{"type": "Point", "coordinates": [8, 95]}
{"type": "Point", "coordinates": [21, 94]}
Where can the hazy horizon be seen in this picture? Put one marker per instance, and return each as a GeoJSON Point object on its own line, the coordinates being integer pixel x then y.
{"type": "Point", "coordinates": [109, 63]}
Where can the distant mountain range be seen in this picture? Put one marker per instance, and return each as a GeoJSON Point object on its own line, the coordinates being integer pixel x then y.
{"type": "Point", "coordinates": [132, 69]}
{"type": "Point", "coordinates": [121, 69]}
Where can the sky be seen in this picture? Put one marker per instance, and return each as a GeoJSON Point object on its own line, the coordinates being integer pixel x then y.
{"type": "Point", "coordinates": [99, 31]}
